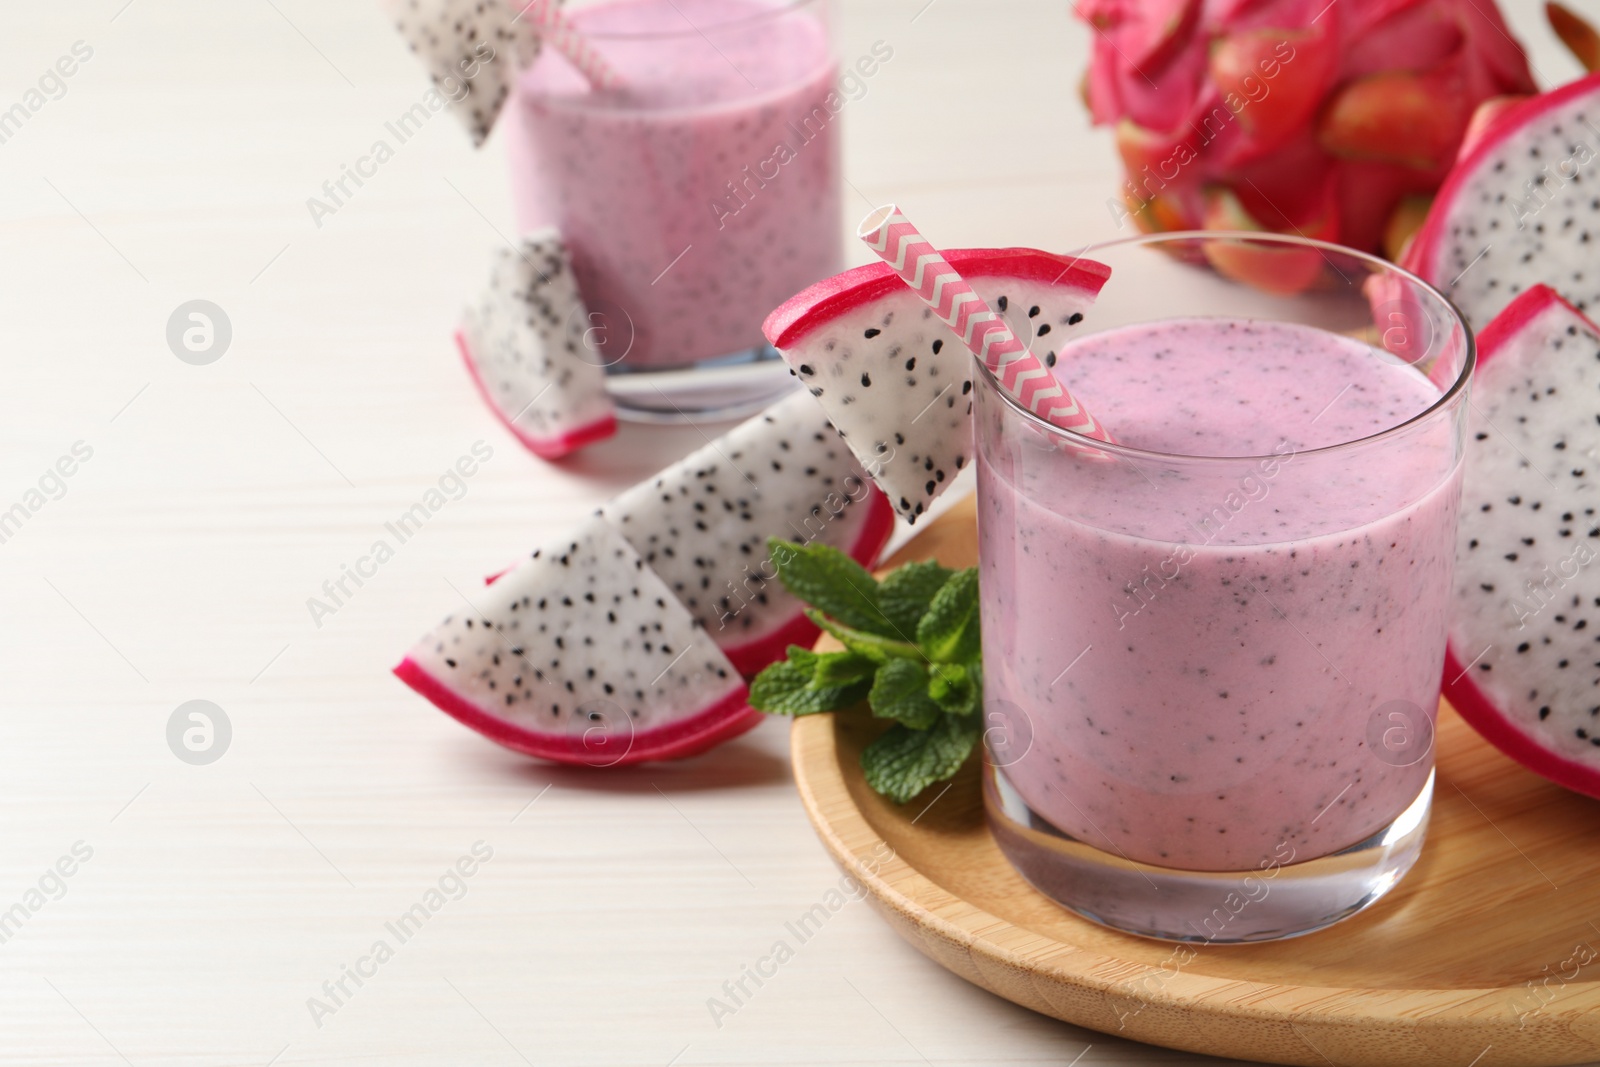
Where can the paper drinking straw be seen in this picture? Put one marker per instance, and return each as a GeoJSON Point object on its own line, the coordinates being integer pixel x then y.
{"type": "Point", "coordinates": [557, 31]}
{"type": "Point", "coordinates": [1022, 374]}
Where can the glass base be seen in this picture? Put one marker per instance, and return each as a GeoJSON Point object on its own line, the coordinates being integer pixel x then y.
{"type": "Point", "coordinates": [730, 387]}
{"type": "Point", "coordinates": [1209, 907]}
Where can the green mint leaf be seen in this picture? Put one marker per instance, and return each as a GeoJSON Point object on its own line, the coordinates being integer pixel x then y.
{"type": "Point", "coordinates": [911, 650]}
{"type": "Point", "coordinates": [831, 582]}
{"type": "Point", "coordinates": [782, 689]}
{"type": "Point", "coordinates": [957, 689]}
{"type": "Point", "coordinates": [904, 762]}
{"type": "Point", "coordinates": [873, 646]}
{"type": "Point", "coordinates": [948, 633]}
{"type": "Point", "coordinates": [841, 668]}
{"type": "Point", "coordinates": [900, 692]}
{"type": "Point", "coordinates": [803, 658]}
{"type": "Point", "coordinates": [785, 688]}
{"type": "Point", "coordinates": [905, 593]}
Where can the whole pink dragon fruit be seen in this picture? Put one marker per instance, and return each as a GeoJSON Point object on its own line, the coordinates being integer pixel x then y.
{"type": "Point", "coordinates": [1330, 119]}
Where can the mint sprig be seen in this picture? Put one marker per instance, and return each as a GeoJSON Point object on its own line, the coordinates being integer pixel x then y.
{"type": "Point", "coordinates": [911, 652]}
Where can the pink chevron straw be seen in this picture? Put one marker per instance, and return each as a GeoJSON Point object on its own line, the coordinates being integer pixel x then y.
{"type": "Point", "coordinates": [890, 234]}
{"type": "Point", "coordinates": [556, 30]}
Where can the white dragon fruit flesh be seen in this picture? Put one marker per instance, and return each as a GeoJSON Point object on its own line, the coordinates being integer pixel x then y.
{"type": "Point", "coordinates": [472, 49]}
{"type": "Point", "coordinates": [1523, 665]}
{"type": "Point", "coordinates": [1521, 207]}
{"type": "Point", "coordinates": [703, 524]}
{"type": "Point", "coordinates": [524, 346]}
{"type": "Point", "coordinates": [896, 381]}
{"type": "Point", "coordinates": [582, 655]}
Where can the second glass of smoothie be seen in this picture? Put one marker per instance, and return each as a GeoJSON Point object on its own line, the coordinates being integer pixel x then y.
{"type": "Point", "coordinates": [1212, 652]}
{"type": "Point", "coordinates": [695, 199]}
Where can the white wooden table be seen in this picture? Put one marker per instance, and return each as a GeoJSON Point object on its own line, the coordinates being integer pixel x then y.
{"type": "Point", "coordinates": [215, 901]}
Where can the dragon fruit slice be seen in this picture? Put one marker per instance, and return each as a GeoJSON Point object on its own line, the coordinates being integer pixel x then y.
{"type": "Point", "coordinates": [702, 524]}
{"type": "Point", "coordinates": [524, 346]}
{"type": "Point", "coordinates": [472, 49]}
{"type": "Point", "coordinates": [1523, 665]}
{"type": "Point", "coordinates": [896, 381]}
{"type": "Point", "coordinates": [1520, 208]}
{"type": "Point", "coordinates": [582, 655]}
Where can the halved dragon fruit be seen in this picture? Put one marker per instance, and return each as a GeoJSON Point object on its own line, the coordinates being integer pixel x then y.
{"type": "Point", "coordinates": [1523, 665]}
{"type": "Point", "coordinates": [703, 524]}
{"type": "Point", "coordinates": [1521, 207]}
{"type": "Point", "coordinates": [582, 655]}
{"type": "Point", "coordinates": [524, 347]}
{"type": "Point", "coordinates": [473, 50]}
{"type": "Point", "coordinates": [896, 381]}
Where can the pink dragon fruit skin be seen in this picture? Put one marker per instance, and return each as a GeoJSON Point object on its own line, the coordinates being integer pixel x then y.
{"type": "Point", "coordinates": [1298, 116]}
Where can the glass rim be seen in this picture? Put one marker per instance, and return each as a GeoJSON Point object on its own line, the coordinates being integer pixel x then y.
{"type": "Point", "coordinates": [776, 9]}
{"type": "Point", "coordinates": [1444, 402]}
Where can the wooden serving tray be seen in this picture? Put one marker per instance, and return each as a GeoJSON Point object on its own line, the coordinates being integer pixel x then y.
{"type": "Point", "coordinates": [1486, 955]}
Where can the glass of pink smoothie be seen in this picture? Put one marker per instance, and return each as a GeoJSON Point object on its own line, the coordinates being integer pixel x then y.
{"type": "Point", "coordinates": [698, 197]}
{"type": "Point", "coordinates": [1212, 652]}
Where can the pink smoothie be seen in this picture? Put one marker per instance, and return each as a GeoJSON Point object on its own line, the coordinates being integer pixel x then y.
{"type": "Point", "coordinates": [705, 193]}
{"type": "Point", "coordinates": [1199, 651]}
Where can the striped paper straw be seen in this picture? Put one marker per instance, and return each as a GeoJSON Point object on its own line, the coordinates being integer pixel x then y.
{"type": "Point", "coordinates": [556, 30]}
{"type": "Point", "coordinates": [1022, 374]}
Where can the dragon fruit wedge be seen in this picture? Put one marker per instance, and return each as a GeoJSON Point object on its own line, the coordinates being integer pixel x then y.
{"type": "Point", "coordinates": [582, 655]}
{"type": "Point", "coordinates": [473, 50]}
{"type": "Point", "coordinates": [1317, 118]}
{"type": "Point", "coordinates": [1523, 665]}
{"type": "Point", "coordinates": [896, 381]}
{"type": "Point", "coordinates": [1521, 208]}
{"type": "Point", "coordinates": [524, 347]}
{"type": "Point", "coordinates": [703, 524]}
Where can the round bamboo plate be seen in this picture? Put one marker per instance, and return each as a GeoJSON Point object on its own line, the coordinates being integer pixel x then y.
{"type": "Point", "coordinates": [1486, 955]}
